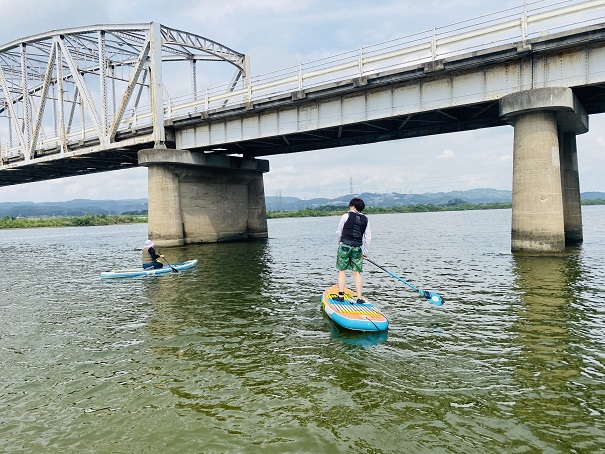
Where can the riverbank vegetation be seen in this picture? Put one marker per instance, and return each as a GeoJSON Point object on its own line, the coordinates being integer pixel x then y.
{"type": "Point", "coordinates": [103, 219]}
{"type": "Point", "coordinates": [593, 202]}
{"type": "Point", "coordinates": [453, 205]}
{"type": "Point", "coordinates": [69, 221]}
{"type": "Point", "coordinates": [418, 208]}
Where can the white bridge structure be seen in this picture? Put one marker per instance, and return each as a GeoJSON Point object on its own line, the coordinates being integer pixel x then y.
{"type": "Point", "coordinates": [107, 97]}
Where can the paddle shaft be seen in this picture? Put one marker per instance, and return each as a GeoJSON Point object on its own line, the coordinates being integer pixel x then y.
{"type": "Point", "coordinates": [433, 297]}
{"type": "Point", "coordinates": [173, 268]}
{"type": "Point", "coordinates": [392, 274]}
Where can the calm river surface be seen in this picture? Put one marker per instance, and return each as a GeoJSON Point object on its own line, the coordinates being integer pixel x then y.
{"type": "Point", "coordinates": [235, 355]}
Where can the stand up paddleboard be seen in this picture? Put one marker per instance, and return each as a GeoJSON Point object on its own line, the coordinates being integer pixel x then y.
{"type": "Point", "coordinates": [134, 272]}
{"type": "Point", "coordinates": [350, 315]}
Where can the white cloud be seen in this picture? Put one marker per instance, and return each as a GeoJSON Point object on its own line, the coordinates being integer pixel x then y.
{"type": "Point", "coordinates": [600, 141]}
{"type": "Point", "coordinates": [119, 184]}
{"type": "Point", "coordinates": [446, 154]}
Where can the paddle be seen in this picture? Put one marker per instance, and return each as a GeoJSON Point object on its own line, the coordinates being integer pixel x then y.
{"type": "Point", "coordinates": [433, 297]}
{"type": "Point", "coordinates": [173, 268]}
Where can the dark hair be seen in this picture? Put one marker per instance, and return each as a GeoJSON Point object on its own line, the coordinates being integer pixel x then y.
{"type": "Point", "coordinates": [357, 203]}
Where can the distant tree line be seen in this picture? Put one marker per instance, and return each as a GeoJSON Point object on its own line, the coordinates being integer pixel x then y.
{"type": "Point", "coordinates": [10, 222]}
{"type": "Point", "coordinates": [452, 205]}
{"type": "Point", "coordinates": [69, 221]}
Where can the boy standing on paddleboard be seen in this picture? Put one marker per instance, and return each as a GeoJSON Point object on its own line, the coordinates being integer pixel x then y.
{"type": "Point", "coordinates": [354, 236]}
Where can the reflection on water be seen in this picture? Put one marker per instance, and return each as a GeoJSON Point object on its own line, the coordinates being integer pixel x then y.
{"type": "Point", "coordinates": [557, 353]}
{"type": "Point", "coordinates": [362, 339]}
{"type": "Point", "coordinates": [543, 327]}
{"type": "Point", "coordinates": [235, 355]}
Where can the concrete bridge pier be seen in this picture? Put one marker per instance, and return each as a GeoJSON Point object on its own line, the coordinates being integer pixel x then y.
{"type": "Point", "coordinates": [546, 213]}
{"type": "Point", "coordinates": [200, 198]}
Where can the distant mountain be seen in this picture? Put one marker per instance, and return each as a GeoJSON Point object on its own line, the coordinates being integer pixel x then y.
{"type": "Point", "coordinates": [83, 207]}
{"type": "Point", "coordinates": [77, 207]}
{"type": "Point", "coordinates": [276, 203]}
{"type": "Point", "coordinates": [592, 196]}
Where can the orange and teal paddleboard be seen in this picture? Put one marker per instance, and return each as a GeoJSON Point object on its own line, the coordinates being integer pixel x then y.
{"type": "Point", "coordinates": [349, 314]}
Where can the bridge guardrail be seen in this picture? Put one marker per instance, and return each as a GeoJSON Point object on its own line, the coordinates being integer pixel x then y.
{"type": "Point", "coordinates": [516, 24]}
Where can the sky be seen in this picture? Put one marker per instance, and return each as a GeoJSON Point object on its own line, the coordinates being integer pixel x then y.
{"type": "Point", "coordinates": [276, 34]}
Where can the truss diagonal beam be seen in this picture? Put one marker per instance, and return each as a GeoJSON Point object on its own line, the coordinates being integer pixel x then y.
{"type": "Point", "coordinates": [38, 123]}
{"type": "Point", "coordinates": [8, 101]}
{"type": "Point", "coordinates": [82, 87]}
{"type": "Point", "coordinates": [129, 90]}
{"type": "Point", "coordinates": [173, 37]}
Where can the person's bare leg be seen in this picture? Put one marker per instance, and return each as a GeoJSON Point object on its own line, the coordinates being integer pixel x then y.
{"type": "Point", "coordinates": [358, 284]}
{"type": "Point", "coordinates": [342, 281]}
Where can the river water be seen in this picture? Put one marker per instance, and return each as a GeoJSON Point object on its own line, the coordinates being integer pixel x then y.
{"type": "Point", "coordinates": [236, 356]}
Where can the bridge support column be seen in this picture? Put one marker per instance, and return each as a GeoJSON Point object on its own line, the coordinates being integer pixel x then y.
{"type": "Point", "coordinates": [200, 198]}
{"type": "Point", "coordinates": [165, 222]}
{"type": "Point", "coordinates": [537, 222]}
{"type": "Point", "coordinates": [546, 196]}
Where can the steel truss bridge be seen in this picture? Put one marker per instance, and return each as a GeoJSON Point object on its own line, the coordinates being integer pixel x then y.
{"type": "Point", "coordinates": [86, 100]}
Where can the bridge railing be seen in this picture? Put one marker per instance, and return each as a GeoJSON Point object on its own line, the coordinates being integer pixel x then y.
{"type": "Point", "coordinates": [513, 25]}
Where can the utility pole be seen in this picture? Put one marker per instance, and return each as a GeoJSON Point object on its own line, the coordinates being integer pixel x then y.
{"type": "Point", "coordinates": [279, 201]}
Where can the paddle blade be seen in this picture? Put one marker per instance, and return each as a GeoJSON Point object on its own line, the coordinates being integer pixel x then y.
{"type": "Point", "coordinates": [433, 297]}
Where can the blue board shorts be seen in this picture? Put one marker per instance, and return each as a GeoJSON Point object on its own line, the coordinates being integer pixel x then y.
{"type": "Point", "coordinates": [349, 258]}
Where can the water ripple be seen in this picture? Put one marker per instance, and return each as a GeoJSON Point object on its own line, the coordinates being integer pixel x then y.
{"type": "Point", "coordinates": [236, 356]}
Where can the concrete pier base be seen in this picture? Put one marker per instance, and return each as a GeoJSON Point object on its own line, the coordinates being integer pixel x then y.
{"type": "Point", "coordinates": [164, 206]}
{"type": "Point", "coordinates": [546, 212]}
{"type": "Point", "coordinates": [201, 198]}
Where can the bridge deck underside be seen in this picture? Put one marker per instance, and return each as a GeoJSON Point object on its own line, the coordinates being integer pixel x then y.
{"type": "Point", "coordinates": [463, 118]}
{"type": "Point", "coordinates": [442, 121]}
{"type": "Point", "coordinates": [94, 162]}
{"type": "Point", "coordinates": [455, 119]}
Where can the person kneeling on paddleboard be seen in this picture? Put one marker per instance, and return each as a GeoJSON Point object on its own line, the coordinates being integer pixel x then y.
{"type": "Point", "coordinates": [151, 256]}
{"type": "Point", "coordinates": [354, 236]}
